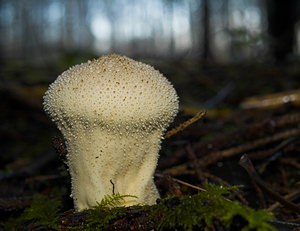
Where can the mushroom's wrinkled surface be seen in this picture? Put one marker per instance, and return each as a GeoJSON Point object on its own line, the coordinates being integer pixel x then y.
{"type": "Point", "coordinates": [112, 113]}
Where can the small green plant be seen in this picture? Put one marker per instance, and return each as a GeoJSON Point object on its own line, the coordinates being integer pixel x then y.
{"type": "Point", "coordinates": [110, 201]}
{"type": "Point", "coordinates": [108, 209]}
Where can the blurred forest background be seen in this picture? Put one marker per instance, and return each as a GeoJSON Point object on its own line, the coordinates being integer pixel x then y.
{"type": "Point", "coordinates": [221, 31]}
{"type": "Point", "coordinates": [225, 57]}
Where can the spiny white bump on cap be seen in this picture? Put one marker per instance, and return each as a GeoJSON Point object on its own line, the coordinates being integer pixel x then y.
{"type": "Point", "coordinates": [112, 112]}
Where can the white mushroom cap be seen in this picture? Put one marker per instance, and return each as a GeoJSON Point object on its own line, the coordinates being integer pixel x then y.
{"type": "Point", "coordinates": [112, 112]}
{"type": "Point", "coordinates": [114, 90]}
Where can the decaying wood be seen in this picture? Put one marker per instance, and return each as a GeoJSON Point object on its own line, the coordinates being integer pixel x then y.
{"type": "Point", "coordinates": [272, 100]}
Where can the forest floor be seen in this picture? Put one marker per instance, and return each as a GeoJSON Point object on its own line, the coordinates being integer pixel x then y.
{"type": "Point", "coordinates": [252, 118]}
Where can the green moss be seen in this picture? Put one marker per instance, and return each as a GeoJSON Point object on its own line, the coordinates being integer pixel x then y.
{"type": "Point", "coordinates": [107, 210]}
{"type": "Point", "coordinates": [42, 212]}
{"type": "Point", "coordinates": [189, 212]}
{"type": "Point", "coordinates": [214, 207]}
{"type": "Point", "coordinates": [203, 209]}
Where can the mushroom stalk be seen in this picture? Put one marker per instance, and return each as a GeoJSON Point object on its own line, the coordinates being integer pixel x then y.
{"type": "Point", "coordinates": [112, 112]}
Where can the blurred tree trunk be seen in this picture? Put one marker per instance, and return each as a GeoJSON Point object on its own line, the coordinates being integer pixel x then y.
{"type": "Point", "coordinates": [195, 24]}
{"type": "Point", "coordinates": [206, 30]}
{"type": "Point", "coordinates": [206, 45]}
{"type": "Point", "coordinates": [282, 17]}
{"type": "Point", "coordinates": [169, 8]}
{"type": "Point", "coordinates": [67, 32]}
{"type": "Point", "coordinates": [111, 13]}
{"type": "Point", "coordinates": [86, 37]}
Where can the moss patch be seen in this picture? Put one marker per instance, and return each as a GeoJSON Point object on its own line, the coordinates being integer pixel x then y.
{"type": "Point", "coordinates": [43, 212]}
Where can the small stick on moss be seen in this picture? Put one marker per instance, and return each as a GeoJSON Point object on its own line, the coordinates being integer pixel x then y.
{"type": "Point", "coordinates": [173, 187]}
{"type": "Point", "coordinates": [189, 185]}
{"type": "Point", "coordinates": [220, 181]}
{"type": "Point", "coordinates": [182, 182]}
{"type": "Point", "coordinates": [113, 186]}
{"type": "Point", "coordinates": [184, 125]}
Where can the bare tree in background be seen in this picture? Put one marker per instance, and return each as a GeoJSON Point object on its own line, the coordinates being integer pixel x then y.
{"type": "Point", "coordinates": [34, 27]}
{"type": "Point", "coordinates": [206, 54]}
{"type": "Point", "coordinates": [169, 7]}
{"type": "Point", "coordinates": [195, 22]}
{"type": "Point", "coordinates": [200, 29]}
{"type": "Point", "coordinates": [282, 17]}
{"type": "Point", "coordinates": [75, 29]}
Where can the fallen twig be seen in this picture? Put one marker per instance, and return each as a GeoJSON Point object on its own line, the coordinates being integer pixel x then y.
{"type": "Point", "coordinates": [246, 163]}
{"type": "Point", "coordinates": [183, 183]}
{"type": "Point", "coordinates": [196, 166]}
{"type": "Point", "coordinates": [213, 157]}
{"type": "Point", "coordinates": [184, 125]}
{"type": "Point", "coordinates": [216, 156]}
{"type": "Point", "coordinates": [289, 196]}
{"type": "Point", "coordinates": [255, 131]}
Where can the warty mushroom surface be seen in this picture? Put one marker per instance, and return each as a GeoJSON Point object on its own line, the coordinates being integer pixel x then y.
{"type": "Point", "coordinates": [112, 112]}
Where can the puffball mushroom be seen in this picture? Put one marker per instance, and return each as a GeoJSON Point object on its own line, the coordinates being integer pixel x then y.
{"type": "Point", "coordinates": [112, 113]}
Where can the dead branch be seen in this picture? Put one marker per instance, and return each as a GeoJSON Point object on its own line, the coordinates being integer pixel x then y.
{"type": "Point", "coordinates": [251, 132]}
{"type": "Point", "coordinates": [213, 157]}
{"type": "Point", "coordinates": [184, 125]}
{"type": "Point", "coordinates": [246, 163]}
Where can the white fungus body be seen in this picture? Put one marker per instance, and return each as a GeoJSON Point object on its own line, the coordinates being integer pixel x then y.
{"type": "Point", "coordinates": [112, 112]}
